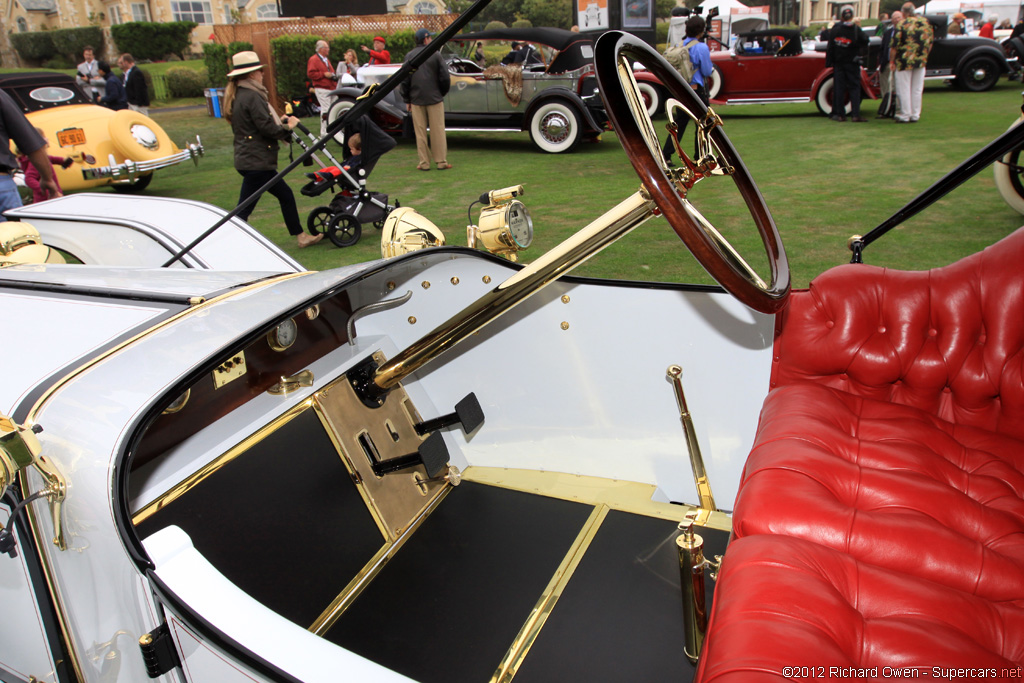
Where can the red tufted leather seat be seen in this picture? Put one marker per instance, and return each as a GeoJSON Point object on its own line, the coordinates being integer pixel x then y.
{"type": "Point", "coordinates": [883, 499]}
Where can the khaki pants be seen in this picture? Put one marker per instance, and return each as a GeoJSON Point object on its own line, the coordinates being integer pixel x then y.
{"type": "Point", "coordinates": [324, 99]}
{"type": "Point", "coordinates": [432, 117]}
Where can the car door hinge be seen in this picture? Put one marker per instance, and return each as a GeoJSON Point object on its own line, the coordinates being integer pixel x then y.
{"type": "Point", "coordinates": [158, 651]}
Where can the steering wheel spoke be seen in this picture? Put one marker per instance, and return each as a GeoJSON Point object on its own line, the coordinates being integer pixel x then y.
{"type": "Point", "coordinates": [724, 247]}
{"type": "Point", "coordinates": [669, 186]}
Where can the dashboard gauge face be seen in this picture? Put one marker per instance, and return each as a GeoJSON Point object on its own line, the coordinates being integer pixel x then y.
{"type": "Point", "coordinates": [178, 403]}
{"type": "Point", "coordinates": [283, 336]}
{"type": "Point", "coordinates": [520, 224]}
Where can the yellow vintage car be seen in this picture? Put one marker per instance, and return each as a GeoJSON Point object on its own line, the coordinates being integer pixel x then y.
{"type": "Point", "coordinates": [118, 148]}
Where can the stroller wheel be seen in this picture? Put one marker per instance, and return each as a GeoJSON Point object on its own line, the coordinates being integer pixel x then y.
{"type": "Point", "coordinates": [344, 230]}
{"type": "Point", "coordinates": [318, 219]}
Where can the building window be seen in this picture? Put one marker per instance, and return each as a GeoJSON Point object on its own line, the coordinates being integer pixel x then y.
{"type": "Point", "coordinates": [267, 11]}
{"type": "Point", "coordinates": [22, 25]}
{"type": "Point", "coordinates": [199, 12]}
{"type": "Point", "coordinates": [115, 15]}
{"type": "Point", "coordinates": [424, 8]}
{"type": "Point", "coordinates": [140, 11]}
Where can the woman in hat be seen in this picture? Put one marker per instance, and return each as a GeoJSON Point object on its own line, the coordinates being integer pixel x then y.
{"type": "Point", "coordinates": [378, 55]}
{"type": "Point", "coordinates": [257, 129]}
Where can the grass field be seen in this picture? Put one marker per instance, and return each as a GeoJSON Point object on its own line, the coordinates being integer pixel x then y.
{"type": "Point", "coordinates": [822, 180]}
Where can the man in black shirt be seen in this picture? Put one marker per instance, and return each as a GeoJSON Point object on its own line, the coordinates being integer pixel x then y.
{"type": "Point", "coordinates": [14, 126]}
{"type": "Point", "coordinates": [846, 40]}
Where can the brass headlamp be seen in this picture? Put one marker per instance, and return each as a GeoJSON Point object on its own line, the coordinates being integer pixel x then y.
{"type": "Point", "coordinates": [405, 230]}
{"type": "Point", "coordinates": [505, 225]}
{"type": "Point", "coordinates": [21, 243]}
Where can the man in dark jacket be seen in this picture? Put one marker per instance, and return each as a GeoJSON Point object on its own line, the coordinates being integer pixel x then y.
{"type": "Point", "coordinates": [114, 96]}
{"type": "Point", "coordinates": [846, 40]}
{"type": "Point", "coordinates": [424, 93]}
{"type": "Point", "coordinates": [134, 85]}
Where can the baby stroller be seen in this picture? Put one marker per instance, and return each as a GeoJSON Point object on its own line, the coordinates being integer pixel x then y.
{"type": "Point", "coordinates": [353, 205]}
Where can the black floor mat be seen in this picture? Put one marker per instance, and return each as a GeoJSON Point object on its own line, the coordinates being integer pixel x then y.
{"type": "Point", "coordinates": [620, 617]}
{"type": "Point", "coordinates": [448, 606]}
{"type": "Point", "coordinates": [258, 518]}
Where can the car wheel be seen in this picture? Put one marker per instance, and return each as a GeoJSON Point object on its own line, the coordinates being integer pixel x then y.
{"type": "Point", "coordinates": [337, 110]}
{"type": "Point", "coordinates": [344, 230]}
{"type": "Point", "coordinates": [714, 83]}
{"type": "Point", "coordinates": [824, 98]}
{"type": "Point", "coordinates": [652, 97]}
{"type": "Point", "coordinates": [134, 186]}
{"type": "Point", "coordinates": [555, 127]}
{"type": "Point", "coordinates": [978, 74]}
{"type": "Point", "coordinates": [1009, 176]}
{"type": "Point", "coordinates": [318, 219]}
{"type": "Point", "coordinates": [138, 137]}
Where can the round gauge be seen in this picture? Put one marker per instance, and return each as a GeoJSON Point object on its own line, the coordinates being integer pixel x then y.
{"type": "Point", "coordinates": [283, 336]}
{"type": "Point", "coordinates": [520, 224]}
{"type": "Point", "coordinates": [178, 403]}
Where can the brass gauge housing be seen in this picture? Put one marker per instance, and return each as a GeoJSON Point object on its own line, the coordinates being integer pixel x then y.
{"type": "Point", "coordinates": [178, 403]}
{"type": "Point", "coordinates": [283, 336]}
{"type": "Point", "coordinates": [506, 227]}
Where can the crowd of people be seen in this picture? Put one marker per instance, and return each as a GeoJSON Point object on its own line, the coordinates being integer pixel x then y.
{"type": "Point", "coordinates": [257, 127]}
{"type": "Point", "coordinates": [127, 91]}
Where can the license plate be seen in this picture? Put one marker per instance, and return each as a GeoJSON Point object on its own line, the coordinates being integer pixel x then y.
{"type": "Point", "coordinates": [70, 137]}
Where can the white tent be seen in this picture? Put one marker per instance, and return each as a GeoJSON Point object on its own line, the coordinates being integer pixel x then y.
{"type": "Point", "coordinates": [735, 17]}
{"type": "Point", "coordinates": [978, 10]}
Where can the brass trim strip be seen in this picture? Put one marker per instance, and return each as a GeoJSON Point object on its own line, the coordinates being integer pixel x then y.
{"type": "Point", "coordinates": [627, 496]}
{"type": "Point", "coordinates": [606, 229]}
{"type": "Point", "coordinates": [160, 325]}
{"type": "Point", "coordinates": [34, 525]}
{"type": "Point", "coordinates": [197, 477]}
{"type": "Point", "coordinates": [542, 610]}
{"type": "Point", "coordinates": [372, 568]}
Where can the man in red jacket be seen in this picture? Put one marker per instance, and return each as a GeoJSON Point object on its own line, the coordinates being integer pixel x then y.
{"type": "Point", "coordinates": [321, 74]}
{"type": "Point", "coordinates": [379, 53]}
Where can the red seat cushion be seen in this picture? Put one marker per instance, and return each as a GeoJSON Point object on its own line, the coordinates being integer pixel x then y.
{"type": "Point", "coordinates": [880, 516]}
{"type": "Point", "coordinates": [783, 603]}
{"type": "Point", "coordinates": [890, 485]}
{"type": "Point", "coordinates": [949, 341]}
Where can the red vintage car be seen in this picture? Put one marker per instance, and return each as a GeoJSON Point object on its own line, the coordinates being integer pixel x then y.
{"type": "Point", "coordinates": [763, 67]}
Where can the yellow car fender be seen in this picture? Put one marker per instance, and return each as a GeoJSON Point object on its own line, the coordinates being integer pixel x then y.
{"type": "Point", "coordinates": [138, 138]}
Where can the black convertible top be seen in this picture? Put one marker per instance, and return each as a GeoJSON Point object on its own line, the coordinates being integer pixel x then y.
{"type": "Point", "coordinates": [574, 50]}
{"type": "Point", "coordinates": [558, 38]}
{"type": "Point", "coordinates": [52, 89]}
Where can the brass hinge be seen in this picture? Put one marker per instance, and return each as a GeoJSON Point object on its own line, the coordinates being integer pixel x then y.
{"type": "Point", "coordinates": [158, 651]}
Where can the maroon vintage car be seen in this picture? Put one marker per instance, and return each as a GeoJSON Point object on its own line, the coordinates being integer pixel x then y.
{"type": "Point", "coordinates": [763, 67]}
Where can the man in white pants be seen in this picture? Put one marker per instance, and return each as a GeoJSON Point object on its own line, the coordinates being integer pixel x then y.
{"type": "Point", "coordinates": [323, 79]}
{"type": "Point", "coordinates": [909, 53]}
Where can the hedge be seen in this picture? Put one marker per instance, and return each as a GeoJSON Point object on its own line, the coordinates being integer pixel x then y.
{"type": "Point", "coordinates": [290, 54]}
{"type": "Point", "coordinates": [147, 40]}
{"type": "Point", "coordinates": [185, 82]}
{"type": "Point", "coordinates": [70, 41]}
{"type": "Point", "coordinates": [218, 60]}
{"type": "Point", "coordinates": [34, 46]}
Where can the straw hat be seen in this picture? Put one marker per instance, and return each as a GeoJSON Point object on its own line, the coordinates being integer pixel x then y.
{"type": "Point", "coordinates": [243, 63]}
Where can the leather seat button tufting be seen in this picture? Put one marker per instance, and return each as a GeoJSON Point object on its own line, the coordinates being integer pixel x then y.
{"type": "Point", "coordinates": [933, 332]}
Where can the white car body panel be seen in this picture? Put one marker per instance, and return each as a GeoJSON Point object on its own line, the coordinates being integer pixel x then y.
{"type": "Point", "coordinates": [148, 231]}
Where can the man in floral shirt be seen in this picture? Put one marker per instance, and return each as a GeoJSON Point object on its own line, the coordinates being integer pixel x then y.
{"type": "Point", "coordinates": [910, 47]}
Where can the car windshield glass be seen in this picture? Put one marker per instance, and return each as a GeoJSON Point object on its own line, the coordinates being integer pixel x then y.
{"type": "Point", "coordinates": [51, 94]}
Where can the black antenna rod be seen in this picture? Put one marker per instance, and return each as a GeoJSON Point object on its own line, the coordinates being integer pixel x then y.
{"type": "Point", "coordinates": [364, 103]}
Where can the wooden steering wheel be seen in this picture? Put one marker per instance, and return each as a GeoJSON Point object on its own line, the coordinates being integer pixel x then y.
{"type": "Point", "coordinates": [614, 54]}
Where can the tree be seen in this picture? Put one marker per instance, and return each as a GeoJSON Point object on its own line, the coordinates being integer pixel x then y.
{"type": "Point", "coordinates": [554, 13]}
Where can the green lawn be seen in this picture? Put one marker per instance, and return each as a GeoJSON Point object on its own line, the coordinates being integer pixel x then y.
{"type": "Point", "coordinates": [822, 180]}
